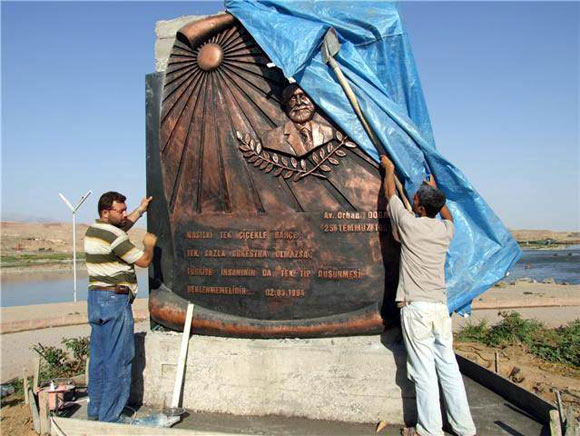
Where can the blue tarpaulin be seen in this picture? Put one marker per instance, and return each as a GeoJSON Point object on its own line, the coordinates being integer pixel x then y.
{"type": "Point", "coordinates": [376, 58]}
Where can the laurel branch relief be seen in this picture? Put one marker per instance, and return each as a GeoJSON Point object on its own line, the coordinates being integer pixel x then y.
{"type": "Point", "coordinates": [287, 167]}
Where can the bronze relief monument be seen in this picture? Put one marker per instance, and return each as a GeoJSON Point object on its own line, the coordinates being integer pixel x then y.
{"type": "Point", "coordinates": [269, 217]}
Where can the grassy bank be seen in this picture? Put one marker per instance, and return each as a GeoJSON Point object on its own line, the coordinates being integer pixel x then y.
{"type": "Point", "coordinates": [42, 258]}
{"type": "Point", "coordinates": [555, 345]}
{"type": "Point", "coordinates": [546, 244]}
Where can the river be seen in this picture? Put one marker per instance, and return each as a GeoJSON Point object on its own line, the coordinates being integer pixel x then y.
{"type": "Point", "coordinates": [562, 265]}
{"type": "Point", "coordinates": [52, 287]}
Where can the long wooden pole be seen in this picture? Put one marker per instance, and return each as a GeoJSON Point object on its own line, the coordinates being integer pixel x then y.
{"type": "Point", "coordinates": [182, 357]}
{"type": "Point", "coordinates": [354, 102]}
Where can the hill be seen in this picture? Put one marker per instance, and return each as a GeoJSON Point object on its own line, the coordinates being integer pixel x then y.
{"type": "Point", "coordinates": [19, 237]}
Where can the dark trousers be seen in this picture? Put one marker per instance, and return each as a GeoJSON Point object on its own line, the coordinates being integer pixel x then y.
{"type": "Point", "coordinates": [112, 352]}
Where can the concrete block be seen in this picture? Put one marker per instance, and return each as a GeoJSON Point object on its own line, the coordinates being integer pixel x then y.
{"type": "Point", "coordinates": [351, 379]}
{"type": "Point", "coordinates": [165, 31]}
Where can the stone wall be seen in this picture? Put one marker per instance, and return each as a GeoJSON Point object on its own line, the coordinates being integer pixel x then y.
{"type": "Point", "coordinates": [351, 379]}
{"type": "Point", "coordinates": [165, 31]}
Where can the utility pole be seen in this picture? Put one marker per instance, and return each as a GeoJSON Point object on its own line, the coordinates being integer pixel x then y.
{"type": "Point", "coordinates": [74, 223]}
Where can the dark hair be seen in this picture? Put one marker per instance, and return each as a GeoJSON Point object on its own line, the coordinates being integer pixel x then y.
{"type": "Point", "coordinates": [107, 199]}
{"type": "Point", "coordinates": [432, 199]}
{"type": "Point", "coordinates": [287, 93]}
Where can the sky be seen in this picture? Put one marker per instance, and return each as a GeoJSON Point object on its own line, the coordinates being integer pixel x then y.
{"type": "Point", "coordinates": [501, 81]}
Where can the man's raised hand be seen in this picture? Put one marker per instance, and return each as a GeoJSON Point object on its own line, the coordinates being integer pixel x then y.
{"type": "Point", "coordinates": [144, 205]}
{"type": "Point", "coordinates": [387, 164]}
{"type": "Point", "coordinates": [149, 240]}
{"type": "Point", "coordinates": [389, 177]}
{"type": "Point", "coordinates": [431, 181]}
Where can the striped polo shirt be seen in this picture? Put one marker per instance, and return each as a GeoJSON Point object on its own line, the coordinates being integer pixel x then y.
{"type": "Point", "coordinates": [110, 256]}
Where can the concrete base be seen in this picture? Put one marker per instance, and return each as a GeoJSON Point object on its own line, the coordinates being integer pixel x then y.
{"type": "Point", "coordinates": [352, 379]}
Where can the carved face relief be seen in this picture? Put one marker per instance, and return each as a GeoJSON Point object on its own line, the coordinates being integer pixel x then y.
{"type": "Point", "coordinates": [299, 107]}
{"type": "Point", "coordinates": [303, 146]}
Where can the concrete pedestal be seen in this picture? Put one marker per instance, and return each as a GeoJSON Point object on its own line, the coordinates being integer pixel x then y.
{"type": "Point", "coordinates": [351, 379]}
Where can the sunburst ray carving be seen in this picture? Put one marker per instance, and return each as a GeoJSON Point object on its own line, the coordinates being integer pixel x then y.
{"type": "Point", "coordinates": [214, 85]}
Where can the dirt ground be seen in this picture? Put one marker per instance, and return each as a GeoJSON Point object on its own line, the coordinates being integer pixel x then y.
{"type": "Point", "coordinates": [19, 237]}
{"type": "Point", "coordinates": [44, 247]}
{"type": "Point", "coordinates": [536, 235]}
{"type": "Point", "coordinates": [15, 419]}
{"type": "Point", "coordinates": [528, 371]}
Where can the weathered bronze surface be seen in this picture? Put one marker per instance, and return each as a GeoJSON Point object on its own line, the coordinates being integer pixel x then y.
{"type": "Point", "coordinates": [268, 215]}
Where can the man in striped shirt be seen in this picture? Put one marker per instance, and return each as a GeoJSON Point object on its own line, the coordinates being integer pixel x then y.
{"type": "Point", "coordinates": [111, 258]}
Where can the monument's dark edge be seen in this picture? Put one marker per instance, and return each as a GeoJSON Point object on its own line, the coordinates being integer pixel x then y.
{"type": "Point", "coordinates": [269, 218]}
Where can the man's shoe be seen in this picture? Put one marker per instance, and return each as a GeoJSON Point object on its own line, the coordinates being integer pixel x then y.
{"type": "Point", "coordinates": [124, 419]}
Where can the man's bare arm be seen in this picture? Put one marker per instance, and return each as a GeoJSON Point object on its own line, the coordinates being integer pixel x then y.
{"type": "Point", "coordinates": [445, 212]}
{"type": "Point", "coordinates": [134, 216]}
{"type": "Point", "coordinates": [149, 241]}
{"type": "Point", "coordinates": [389, 177]}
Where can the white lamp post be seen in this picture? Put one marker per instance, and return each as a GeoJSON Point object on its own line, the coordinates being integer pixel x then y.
{"type": "Point", "coordinates": [74, 222]}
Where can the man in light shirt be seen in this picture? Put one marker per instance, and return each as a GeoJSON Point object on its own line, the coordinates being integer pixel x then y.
{"type": "Point", "coordinates": [422, 297]}
{"type": "Point", "coordinates": [110, 260]}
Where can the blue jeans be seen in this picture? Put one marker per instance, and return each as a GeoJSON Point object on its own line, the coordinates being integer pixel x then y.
{"type": "Point", "coordinates": [112, 352]}
{"type": "Point", "coordinates": [430, 358]}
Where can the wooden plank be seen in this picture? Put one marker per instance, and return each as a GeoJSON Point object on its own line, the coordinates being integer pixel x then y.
{"type": "Point", "coordinates": [33, 410]}
{"type": "Point", "coordinates": [571, 426]}
{"type": "Point", "coordinates": [25, 385]}
{"type": "Point", "coordinates": [36, 373]}
{"type": "Point", "coordinates": [560, 409]}
{"type": "Point", "coordinates": [87, 371]}
{"type": "Point", "coordinates": [44, 412]}
{"type": "Point", "coordinates": [555, 427]}
{"type": "Point", "coordinates": [182, 357]}
{"type": "Point", "coordinates": [73, 427]}
{"type": "Point", "coordinates": [518, 396]}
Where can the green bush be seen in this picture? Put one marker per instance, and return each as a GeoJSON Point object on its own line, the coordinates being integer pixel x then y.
{"type": "Point", "coordinates": [560, 345]}
{"type": "Point", "coordinates": [79, 347]}
{"type": "Point", "coordinates": [565, 347]}
{"type": "Point", "coordinates": [513, 329]}
{"type": "Point", "coordinates": [57, 362]}
{"type": "Point", "coordinates": [474, 332]}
